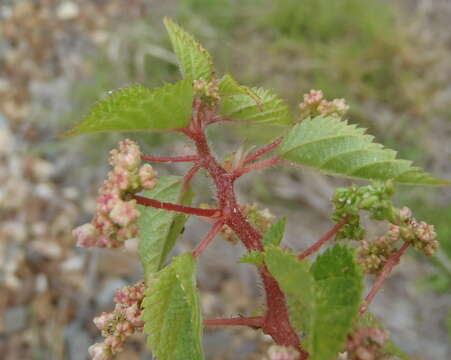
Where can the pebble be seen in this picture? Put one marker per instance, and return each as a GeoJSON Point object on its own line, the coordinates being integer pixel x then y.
{"type": "Point", "coordinates": [68, 11]}
{"type": "Point", "coordinates": [15, 319]}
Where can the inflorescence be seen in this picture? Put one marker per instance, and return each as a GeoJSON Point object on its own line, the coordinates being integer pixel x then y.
{"type": "Point", "coordinates": [315, 104]}
{"type": "Point", "coordinates": [121, 323]}
{"type": "Point", "coordinates": [376, 200]}
{"type": "Point", "coordinates": [116, 213]}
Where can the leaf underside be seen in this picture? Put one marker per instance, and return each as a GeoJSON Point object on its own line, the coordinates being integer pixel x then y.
{"type": "Point", "coordinates": [137, 108]}
{"type": "Point", "coordinates": [333, 146]}
{"type": "Point", "coordinates": [195, 62]}
{"type": "Point", "coordinates": [322, 299]}
{"type": "Point", "coordinates": [158, 228]}
{"type": "Point", "coordinates": [172, 315]}
{"type": "Point", "coordinates": [256, 105]}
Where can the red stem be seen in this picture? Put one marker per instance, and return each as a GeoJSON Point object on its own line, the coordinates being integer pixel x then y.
{"type": "Point", "coordinates": [256, 322]}
{"type": "Point", "coordinates": [263, 150]}
{"type": "Point", "coordinates": [256, 166]}
{"type": "Point", "coordinates": [276, 322]}
{"type": "Point", "coordinates": [213, 213]}
{"type": "Point", "coordinates": [391, 262]}
{"type": "Point", "coordinates": [208, 239]}
{"type": "Point", "coordinates": [168, 159]}
{"type": "Point", "coordinates": [190, 174]}
{"type": "Point", "coordinates": [316, 246]}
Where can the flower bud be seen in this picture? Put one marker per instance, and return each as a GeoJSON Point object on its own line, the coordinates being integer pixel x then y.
{"type": "Point", "coordinates": [147, 177]}
{"type": "Point", "coordinates": [86, 235]}
{"type": "Point", "coordinates": [124, 212]}
{"type": "Point", "coordinates": [104, 320]}
{"type": "Point", "coordinates": [99, 351]}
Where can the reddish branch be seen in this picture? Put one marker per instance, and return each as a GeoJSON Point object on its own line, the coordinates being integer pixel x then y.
{"type": "Point", "coordinates": [212, 213]}
{"type": "Point", "coordinates": [256, 166]}
{"type": "Point", "coordinates": [255, 322]}
{"type": "Point", "coordinates": [316, 246]}
{"type": "Point", "coordinates": [276, 322]}
{"type": "Point", "coordinates": [190, 174]}
{"type": "Point", "coordinates": [208, 239]}
{"type": "Point", "coordinates": [264, 150]}
{"type": "Point", "coordinates": [391, 262]}
{"type": "Point", "coordinates": [168, 159]}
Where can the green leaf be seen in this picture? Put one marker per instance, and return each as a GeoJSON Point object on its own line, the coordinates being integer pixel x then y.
{"type": "Point", "coordinates": [268, 109]}
{"type": "Point", "coordinates": [338, 294]}
{"type": "Point", "coordinates": [228, 86]}
{"type": "Point", "coordinates": [252, 257]}
{"type": "Point", "coordinates": [297, 284]}
{"type": "Point", "coordinates": [322, 299]}
{"type": "Point", "coordinates": [195, 62]}
{"type": "Point", "coordinates": [333, 146]}
{"type": "Point", "coordinates": [172, 315]}
{"type": "Point", "coordinates": [158, 228]}
{"type": "Point", "coordinates": [137, 108]}
{"type": "Point", "coordinates": [274, 235]}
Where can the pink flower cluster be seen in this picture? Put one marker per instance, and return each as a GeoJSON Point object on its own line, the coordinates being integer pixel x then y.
{"type": "Point", "coordinates": [119, 324]}
{"type": "Point", "coordinates": [367, 344]}
{"type": "Point", "coordinates": [314, 104]}
{"type": "Point", "coordinates": [116, 214]}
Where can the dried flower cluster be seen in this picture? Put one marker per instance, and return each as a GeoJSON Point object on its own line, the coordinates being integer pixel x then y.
{"type": "Point", "coordinates": [421, 234]}
{"type": "Point", "coordinates": [315, 104]}
{"type": "Point", "coordinates": [121, 323]}
{"type": "Point", "coordinates": [116, 214]}
{"type": "Point", "coordinates": [372, 256]}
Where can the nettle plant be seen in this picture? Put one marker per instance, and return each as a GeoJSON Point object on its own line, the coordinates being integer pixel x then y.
{"type": "Point", "coordinates": [315, 308]}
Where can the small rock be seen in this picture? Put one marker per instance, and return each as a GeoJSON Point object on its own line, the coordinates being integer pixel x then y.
{"type": "Point", "coordinates": [67, 11]}
{"type": "Point", "coordinates": [42, 284]}
{"type": "Point", "coordinates": [77, 342]}
{"type": "Point", "coordinates": [15, 319]}
{"type": "Point", "coordinates": [72, 264]}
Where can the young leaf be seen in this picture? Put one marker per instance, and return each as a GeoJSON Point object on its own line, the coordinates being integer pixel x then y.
{"type": "Point", "coordinates": [172, 315]}
{"type": "Point", "coordinates": [338, 293]}
{"type": "Point", "coordinates": [137, 108]}
{"type": "Point", "coordinates": [297, 284]}
{"type": "Point", "coordinates": [159, 229]}
{"type": "Point", "coordinates": [195, 62]}
{"type": "Point", "coordinates": [335, 147]}
{"type": "Point", "coordinates": [252, 257]}
{"type": "Point", "coordinates": [228, 86]}
{"type": "Point", "coordinates": [274, 235]}
{"type": "Point", "coordinates": [268, 109]}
